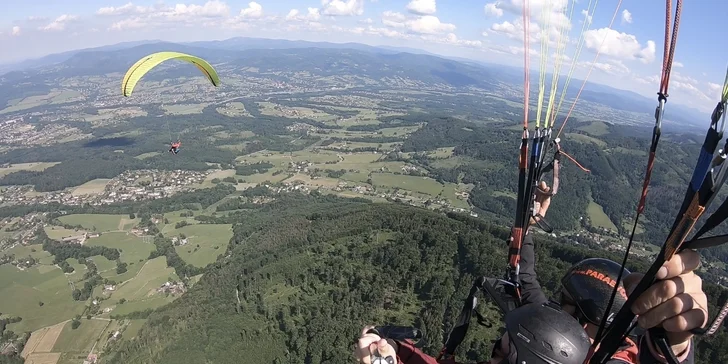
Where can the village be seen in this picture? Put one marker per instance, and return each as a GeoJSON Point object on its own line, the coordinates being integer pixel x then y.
{"type": "Point", "coordinates": [19, 132]}
{"type": "Point", "coordinates": [135, 185]}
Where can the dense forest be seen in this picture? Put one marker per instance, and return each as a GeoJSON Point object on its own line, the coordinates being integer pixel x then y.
{"type": "Point", "coordinates": [303, 274]}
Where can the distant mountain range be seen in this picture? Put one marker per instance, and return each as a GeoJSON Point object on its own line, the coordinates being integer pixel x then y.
{"type": "Point", "coordinates": [453, 70]}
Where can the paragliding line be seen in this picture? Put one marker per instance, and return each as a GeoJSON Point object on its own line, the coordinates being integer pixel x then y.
{"type": "Point", "coordinates": [591, 68]}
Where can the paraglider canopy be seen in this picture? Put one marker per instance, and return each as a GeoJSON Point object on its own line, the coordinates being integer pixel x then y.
{"type": "Point", "coordinates": [144, 65]}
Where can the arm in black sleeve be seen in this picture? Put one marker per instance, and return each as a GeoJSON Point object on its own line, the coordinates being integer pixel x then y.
{"type": "Point", "coordinates": [531, 291]}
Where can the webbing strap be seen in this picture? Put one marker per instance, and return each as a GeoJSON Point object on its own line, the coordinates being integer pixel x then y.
{"type": "Point", "coordinates": [497, 289]}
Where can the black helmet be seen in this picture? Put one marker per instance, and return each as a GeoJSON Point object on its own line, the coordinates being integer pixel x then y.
{"type": "Point", "coordinates": [544, 334]}
{"type": "Point", "coordinates": [590, 283]}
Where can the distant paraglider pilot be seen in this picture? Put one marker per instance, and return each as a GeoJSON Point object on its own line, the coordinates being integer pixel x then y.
{"type": "Point", "coordinates": [174, 148]}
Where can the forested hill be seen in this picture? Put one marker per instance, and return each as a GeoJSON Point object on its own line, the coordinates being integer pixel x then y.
{"type": "Point", "coordinates": [304, 274]}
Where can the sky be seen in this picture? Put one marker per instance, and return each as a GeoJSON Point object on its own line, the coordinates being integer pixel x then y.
{"type": "Point", "coordinates": [491, 31]}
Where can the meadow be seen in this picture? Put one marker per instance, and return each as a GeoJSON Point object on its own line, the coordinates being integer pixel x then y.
{"type": "Point", "coordinates": [205, 242]}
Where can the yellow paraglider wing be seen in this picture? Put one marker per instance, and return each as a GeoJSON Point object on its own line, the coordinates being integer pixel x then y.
{"type": "Point", "coordinates": [142, 66]}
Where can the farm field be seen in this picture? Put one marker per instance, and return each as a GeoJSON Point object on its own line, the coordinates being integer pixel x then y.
{"type": "Point", "coordinates": [205, 242]}
{"type": "Point", "coordinates": [99, 222]}
{"type": "Point", "coordinates": [91, 187]}
{"type": "Point", "coordinates": [26, 167]}
{"type": "Point", "coordinates": [29, 287]}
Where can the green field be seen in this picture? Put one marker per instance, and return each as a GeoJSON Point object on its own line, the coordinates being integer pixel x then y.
{"type": "Point", "coordinates": [585, 139]}
{"type": "Point", "coordinates": [598, 217]}
{"type": "Point", "coordinates": [233, 109]}
{"type": "Point", "coordinates": [82, 339]}
{"type": "Point", "coordinates": [26, 167]}
{"type": "Point", "coordinates": [283, 159]}
{"type": "Point", "coordinates": [174, 217]}
{"type": "Point", "coordinates": [151, 276]}
{"type": "Point", "coordinates": [182, 109]}
{"type": "Point", "coordinates": [147, 155]}
{"type": "Point", "coordinates": [133, 328]}
{"type": "Point", "coordinates": [92, 187]}
{"type": "Point", "coordinates": [140, 291]}
{"type": "Point", "coordinates": [23, 290]}
{"type": "Point", "coordinates": [100, 222]}
{"type": "Point", "coordinates": [33, 101]}
{"type": "Point", "coordinates": [103, 265]}
{"type": "Point", "coordinates": [449, 193]}
{"type": "Point", "coordinates": [629, 151]}
{"type": "Point", "coordinates": [35, 251]}
{"type": "Point", "coordinates": [262, 177]}
{"type": "Point", "coordinates": [58, 233]}
{"type": "Point", "coordinates": [412, 183]}
{"type": "Point", "coordinates": [596, 128]}
{"type": "Point", "coordinates": [212, 240]}
{"type": "Point", "coordinates": [134, 251]}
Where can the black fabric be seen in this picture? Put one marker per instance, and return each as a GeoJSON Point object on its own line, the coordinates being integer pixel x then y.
{"type": "Point", "coordinates": [531, 291]}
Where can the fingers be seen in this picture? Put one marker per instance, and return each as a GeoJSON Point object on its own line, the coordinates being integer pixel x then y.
{"type": "Point", "coordinates": [695, 318]}
{"type": "Point", "coordinates": [675, 306]}
{"type": "Point", "coordinates": [662, 291]}
{"type": "Point", "coordinates": [383, 348]}
{"type": "Point", "coordinates": [362, 348]}
{"type": "Point", "coordinates": [683, 262]}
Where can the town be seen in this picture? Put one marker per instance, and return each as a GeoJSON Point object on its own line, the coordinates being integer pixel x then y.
{"type": "Point", "coordinates": [135, 185]}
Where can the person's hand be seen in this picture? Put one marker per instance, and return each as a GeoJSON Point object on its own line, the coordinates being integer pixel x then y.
{"type": "Point", "coordinates": [369, 344]}
{"type": "Point", "coordinates": [543, 200]}
{"type": "Point", "coordinates": [675, 302]}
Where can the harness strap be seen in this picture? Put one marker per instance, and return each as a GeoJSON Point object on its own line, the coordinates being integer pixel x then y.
{"type": "Point", "coordinates": [497, 289]}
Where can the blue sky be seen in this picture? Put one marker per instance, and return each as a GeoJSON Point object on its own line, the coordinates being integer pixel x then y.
{"type": "Point", "coordinates": [485, 30]}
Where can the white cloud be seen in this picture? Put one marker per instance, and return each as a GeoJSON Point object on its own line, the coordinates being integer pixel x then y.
{"type": "Point", "coordinates": [428, 24]}
{"type": "Point", "coordinates": [688, 84]}
{"type": "Point", "coordinates": [343, 8]}
{"type": "Point", "coordinates": [126, 9]}
{"type": "Point", "coordinates": [422, 7]}
{"type": "Point", "coordinates": [612, 67]}
{"type": "Point", "coordinates": [620, 45]}
{"type": "Point", "coordinates": [677, 64]}
{"type": "Point", "coordinates": [292, 15]}
{"type": "Point", "coordinates": [587, 17]}
{"type": "Point", "coordinates": [649, 80]}
{"type": "Point", "coordinates": [211, 9]}
{"type": "Point", "coordinates": [16, 30]}
{"type": "Point", "coordinates": [485, 34]}
{"type": "Point", "coordinates": [133, 23]}
{"type": "Point", "coordinates": [512, 50]}
{"type": "Point", "coordinates": [59, 23]}
{"type": "Point", "coordinates": [385, 32]}
{"type": "Point", "coordinates": [313, 15]}
{"type": "Point", "coordinates": [555, 10]}
{"type": "Point", "coordinates": [492, 10]}
{"type": "Point", "coordinates": [254, 10]}
{"type": "Point", "coordinates": [715, 88]}
{"type": "Point", "coordinates": [37, 18]}
{"type": "Point", "coordinates": [626, 16]}
{"type": "Point", "coordinates": [451, 38]}
{"type": "Point", "coordinates": [209, 14]}
{"type": "Point", "coordinates": [367, 21]}
{"type": "Point", "coordinates": [515, 31]}
{"type": "Point", "coordinates": [393, 19]}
